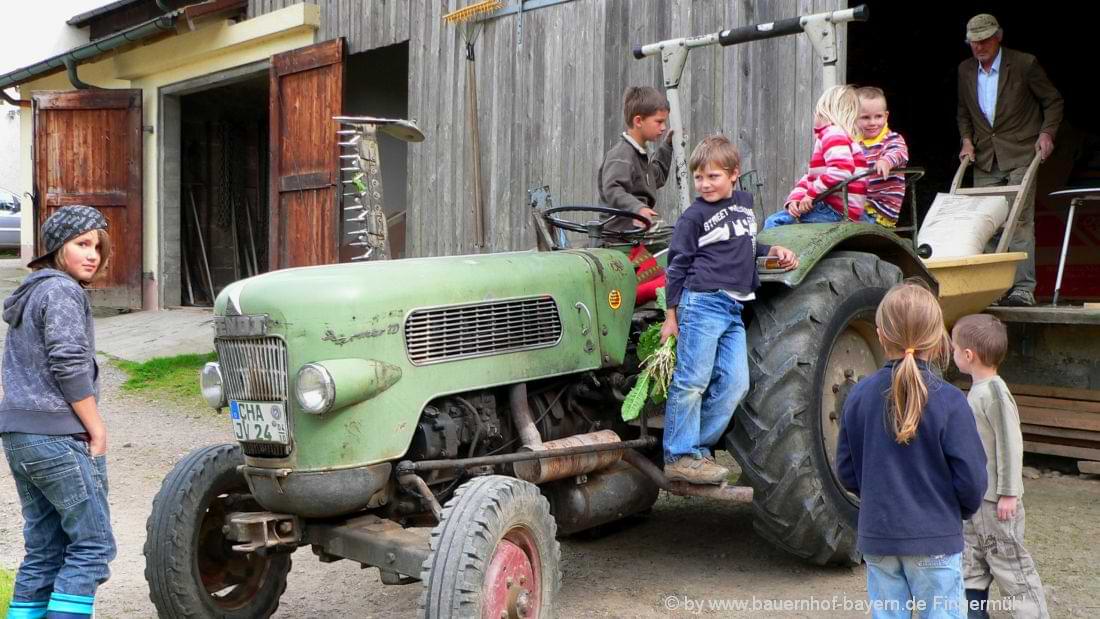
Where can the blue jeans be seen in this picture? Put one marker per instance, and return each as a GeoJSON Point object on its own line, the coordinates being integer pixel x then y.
{"type": "Point", "coordinates": [821, 213]}
{"type": "Point", "coordinates": [711, 376]}
{"type": "Point", "coordinates": [932, 585]}
{"type": "Point", "coordinates": [66, 524]}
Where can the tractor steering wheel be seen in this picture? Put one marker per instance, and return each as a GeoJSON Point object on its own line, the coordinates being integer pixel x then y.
{"type": "Point", "coordinates": [597, 229]}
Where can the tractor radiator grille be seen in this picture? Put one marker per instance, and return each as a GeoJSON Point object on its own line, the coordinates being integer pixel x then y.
{"type": "Point", "coordinates": [255, 370]}
{"type": "Point", "coordinates": [481, 329]}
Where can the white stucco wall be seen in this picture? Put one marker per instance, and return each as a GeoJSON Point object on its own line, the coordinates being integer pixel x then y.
{"type": "Point", "coordinates": [34, 31]}
{"type": "Point", "coordinates": [9, 147]}
{"type": "Point", "coordinates": [30, 32]}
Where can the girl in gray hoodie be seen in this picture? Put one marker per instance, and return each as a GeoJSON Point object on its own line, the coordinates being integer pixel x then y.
{"type": "Point", "coordinates": [54, 438]}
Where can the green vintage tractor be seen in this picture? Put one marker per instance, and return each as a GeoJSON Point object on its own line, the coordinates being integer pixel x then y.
{"type": "Point", "coordinates": [445, 419]}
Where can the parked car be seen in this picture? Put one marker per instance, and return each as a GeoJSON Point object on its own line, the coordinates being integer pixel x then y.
{"type": "Point", "coordinates": [9, 220]}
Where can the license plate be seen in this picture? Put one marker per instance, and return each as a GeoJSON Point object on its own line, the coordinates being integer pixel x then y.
{"type": "Point", "coordinates": [262, 422]}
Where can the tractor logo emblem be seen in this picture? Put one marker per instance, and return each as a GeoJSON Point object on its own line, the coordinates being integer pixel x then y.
{"type": "Point", "coordinates": [614, 299]}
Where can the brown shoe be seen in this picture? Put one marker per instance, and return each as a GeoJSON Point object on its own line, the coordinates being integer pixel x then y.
{"type": "Point", "coordinates": [720, 472]}
{"type": "Point", "coordinates": [695, 471]}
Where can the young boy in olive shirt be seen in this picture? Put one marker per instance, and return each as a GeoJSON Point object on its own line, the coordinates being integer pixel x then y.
{"type": "Point", "coordinates": [995, 534]}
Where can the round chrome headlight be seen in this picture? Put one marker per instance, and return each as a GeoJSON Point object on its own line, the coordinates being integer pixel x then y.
{"type": "Point", "coordinates": [314, 389]}
{"type": "Point", "coordinates": [210, 381]}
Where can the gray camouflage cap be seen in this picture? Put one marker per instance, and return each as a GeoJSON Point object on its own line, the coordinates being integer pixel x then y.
{"type": "Point", "coordinates": [65, 224]}
{"type": "Point", "coordinates": [981, 27]}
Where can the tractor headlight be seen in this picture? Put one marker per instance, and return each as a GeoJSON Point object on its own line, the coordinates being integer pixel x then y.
{"type": "Point", "coordinates": [315, 389]}
{"type": "Point", "coordinates": [210, 381]}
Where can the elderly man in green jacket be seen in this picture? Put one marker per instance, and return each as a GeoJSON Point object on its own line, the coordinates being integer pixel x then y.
{"type": "Point", "coordinates": [1008, 111]}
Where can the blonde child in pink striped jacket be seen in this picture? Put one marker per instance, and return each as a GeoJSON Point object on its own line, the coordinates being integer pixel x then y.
{"type": "Point", "coordinates": [837, 156]}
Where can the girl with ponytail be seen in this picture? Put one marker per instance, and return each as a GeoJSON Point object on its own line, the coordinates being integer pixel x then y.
{"type": "Point", "coordinates": [909, 449]}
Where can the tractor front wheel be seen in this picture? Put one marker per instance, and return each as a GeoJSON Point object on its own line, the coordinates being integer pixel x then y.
{"type": "Point", "coordinates": [493, 554]}
{"type": "Point", "coordinates": [807, 347]}
{"type": "Point", "coordinates": [190, 565]}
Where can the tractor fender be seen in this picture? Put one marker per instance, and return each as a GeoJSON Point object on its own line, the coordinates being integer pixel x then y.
{"type": "Point", "coordinates": [812, 242]}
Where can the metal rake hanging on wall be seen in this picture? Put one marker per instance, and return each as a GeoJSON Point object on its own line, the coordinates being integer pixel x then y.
{"type": "Point", "coordinates": [361, 172]}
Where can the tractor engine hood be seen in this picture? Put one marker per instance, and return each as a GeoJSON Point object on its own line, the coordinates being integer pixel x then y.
{"type": "Point", "coordinates": [444, 325]}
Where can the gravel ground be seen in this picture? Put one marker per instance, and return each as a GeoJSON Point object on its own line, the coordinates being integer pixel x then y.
{"type": "Point", "coordinates": [684, 552]}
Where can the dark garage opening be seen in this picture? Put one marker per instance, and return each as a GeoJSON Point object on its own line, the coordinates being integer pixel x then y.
{"type": "Point", "coordinates": [223, 187]}
{"type": "Point", "coordinates": [376, 83]}
{"type": "Point", "coordinates": [912, 53]}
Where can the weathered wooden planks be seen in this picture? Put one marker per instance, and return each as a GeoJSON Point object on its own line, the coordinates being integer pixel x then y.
{"type": "Point", "coordinates": [88, 150]}
{"type": "Point", "coordinates": [306, 91]}
{"type": "Point", "coordinates": [550, 84]}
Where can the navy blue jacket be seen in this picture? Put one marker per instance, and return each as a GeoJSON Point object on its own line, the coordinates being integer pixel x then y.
{"type": "Point", "coordinates": [913, 498]}
{"type": "Point", "coordinates": [714, 248]}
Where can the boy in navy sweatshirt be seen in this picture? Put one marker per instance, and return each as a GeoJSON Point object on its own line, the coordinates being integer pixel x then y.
{"type": "Point", "coordinates": [711, 274]}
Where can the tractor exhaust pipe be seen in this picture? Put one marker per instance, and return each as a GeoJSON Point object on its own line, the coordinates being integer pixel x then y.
{"type": "Point", "coordinates": [562, 467]}
{"type": "Point", "coordinates": [521, 416]}
{"type": "Point", "coordinates": [550, 469]}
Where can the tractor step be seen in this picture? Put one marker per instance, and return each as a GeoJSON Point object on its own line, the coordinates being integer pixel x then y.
{"type": "Point", "coordinates": [724, 492]}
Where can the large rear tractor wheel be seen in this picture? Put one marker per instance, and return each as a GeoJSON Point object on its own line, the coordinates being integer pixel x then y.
{"type": "Point", "coordinates": [807, 347]}
{"type": "Point", "coordinates": [190, 566]}
{"type": "Point", "coordinates": [493, 554]}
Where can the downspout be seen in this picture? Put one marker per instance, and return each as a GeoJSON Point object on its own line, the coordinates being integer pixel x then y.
{"type": "Point", "coordinates": [74, 79]}
{"type": "Point", "coordinates": [7, 99]}
{"type": "Point", "coordinates": [91, 50]}
{"type": "Point", "coordinates": [70, 62]}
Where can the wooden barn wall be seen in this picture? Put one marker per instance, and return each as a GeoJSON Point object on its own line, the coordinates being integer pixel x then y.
{"type": "Point", "coordinates": [549, 100]}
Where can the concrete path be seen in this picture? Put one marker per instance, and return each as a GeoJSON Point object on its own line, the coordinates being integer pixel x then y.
{"type": "Point", "coordinates": [137, 336]}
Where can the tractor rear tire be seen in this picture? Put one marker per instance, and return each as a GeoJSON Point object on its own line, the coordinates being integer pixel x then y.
{"type": "Point", "coordinates": [190, 566]}
{"type": "Point", "coordinates": [494, 553]}
{"type": "Point", "coordinates": [807, 346]}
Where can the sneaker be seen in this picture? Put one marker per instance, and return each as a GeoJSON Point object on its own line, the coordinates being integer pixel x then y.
{"type": "Point", "coordinates": [1017, 298]}
{"type": "Point", "coordinates": [696, 471]}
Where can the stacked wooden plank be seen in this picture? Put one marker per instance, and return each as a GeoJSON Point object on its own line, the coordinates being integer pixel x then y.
{"type": "Point", "coordinates": [1059, 421]}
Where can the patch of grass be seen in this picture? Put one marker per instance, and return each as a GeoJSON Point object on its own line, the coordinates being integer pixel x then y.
{"type": "Point", "coordinates": [7, 581]}
{"type": "Point", "coordinates": [176, 377]}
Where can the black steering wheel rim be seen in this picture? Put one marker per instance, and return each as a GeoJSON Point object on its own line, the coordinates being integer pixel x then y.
{"type": "Point", "coordinates": [598, 227]}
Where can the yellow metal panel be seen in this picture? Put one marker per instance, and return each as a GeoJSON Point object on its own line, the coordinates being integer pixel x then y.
{"type": "Point", "coordinates": [968, 285]}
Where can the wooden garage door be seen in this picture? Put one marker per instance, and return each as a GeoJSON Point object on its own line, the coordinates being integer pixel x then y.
{"type": "Point", "coordinates": [307, 90]}
{"type": "Point", "coordinates": [87, 150]}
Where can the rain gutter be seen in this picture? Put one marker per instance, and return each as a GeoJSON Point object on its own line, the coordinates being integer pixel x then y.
{"type": "Point", "coordinates": [71, 59]}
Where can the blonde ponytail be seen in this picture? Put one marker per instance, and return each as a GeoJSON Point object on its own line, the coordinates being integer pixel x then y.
{"type": "Point", "coordinates": [910, 323]}
{"type": "Point", "coordinates": [909, 394]}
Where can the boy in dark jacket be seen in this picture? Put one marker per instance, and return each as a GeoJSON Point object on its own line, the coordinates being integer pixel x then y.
{"type": "Point", "coordinates": [54, 438]}
{"type": "Point", "coordinates": [711, 274]}
{"type": "Point", "coordinates": [629, 178]}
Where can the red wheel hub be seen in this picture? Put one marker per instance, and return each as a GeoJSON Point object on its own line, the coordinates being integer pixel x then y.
{"type": "Point", "coordinates": [512, 580]}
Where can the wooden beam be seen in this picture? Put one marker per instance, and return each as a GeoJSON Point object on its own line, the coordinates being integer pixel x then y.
{"type": "Point", "coordinates": [1053, 417]}
{"type": "Point", "coordinates": [1080, 406]}
{"type": "Point", "coordinates": [1068, 393]}
{"type": "Point", "coordinates": [1066, 451]}
{"type": "Point", "coordinates": [1062, 433]}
